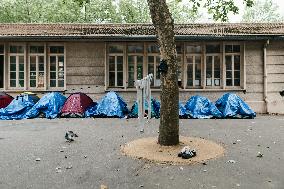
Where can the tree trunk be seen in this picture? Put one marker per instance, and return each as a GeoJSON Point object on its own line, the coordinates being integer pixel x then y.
{"type": "Point", "coordinates": [164, 24]}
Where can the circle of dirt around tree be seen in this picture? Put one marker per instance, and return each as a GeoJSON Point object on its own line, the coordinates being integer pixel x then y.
{"type": "Point", "coordinates": [149, 150]}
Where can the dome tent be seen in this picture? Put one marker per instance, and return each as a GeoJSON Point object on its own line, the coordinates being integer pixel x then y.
{"type": "Point", "coordinates": [50, 105]}
{"type": "Point", "coordinates": [111, 105]}
{"type": "Point", "coordinates": [18, 107]}
{"type": "Point", "coordinates": [155, 109]}
{"type": "Point", "coordinates": [5, 99]}
{"type": "Point", "coordinates": [232, 106]}
{"type": "Point", "coordinates": [183, 112]}
{"type": "Point", "coordinates": [76, 105]}
{"type": "Point", "coordinates": [202, 107]}
{"type": "Point", "coordinates": [91, 110]}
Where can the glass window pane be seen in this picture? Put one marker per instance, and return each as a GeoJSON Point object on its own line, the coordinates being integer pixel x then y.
{"type": "Point", "coordinates": [13, 59]}
{"type": "Point", "coordinates": [12, 75]}
{"type": "Point", "coordinates": [41, 59]}
{"type": "Point", "coordinates": [228, 60]}
{"type": "Point", "coordinates": [229, 82]}
{"type": "Point", "coordinates": [193, 49]}
{"type": "Point", "coordinates": [21, 67]}
{"type": "Point", "coordinates": [21, 83]}
{"type": "Point", "coordinates": [52, 59]}
{"type": "Point", "coordinates": [135, 48]}
{"type": "Point", "coordinates": [33, 49]}
{"type": "Point", "coordinates": [32, 83]}
{"type": "Point", "coordinates": [151, 59]}
{"type": "Point", "coordinates": [213, 48]}
{"type": "Point", "coordinates": [1, 49]}
{"type": "Point", "coordinates": [60, 83]}
{"type": "Point", "coordinates": [52, 67]}
{"type": "Point", "coordinates": [179, 49]}
{"type": "Point", "coordinates": [21, 49]}
{"type": "Point", "coordinates": [236, 82]}
{"type": "Point", "coordinates": [60, 75]}
{"type": "Point", "coordinates": [21, 59]}
{"type": "Point", "coordinates": [116, 49]}
{"type": "Point", "coordinates": [130, 79]}
{"type": "Point", "coordinates": [12, 67]}
{"type": "Point", "coordinates": [32, 75]}
{"type": "Point", "coordinates": [40, 79]}
{"type": "Point", "coordinates": [13, 49]}
{"type": "Point", "coordinates": [61, 62]}
{"type": "Point", "coordinates": [52, 75]}
{"type": "Point", "coordinates": [41, 67]}
{"type": "Point", "coordinates": [33, 59]}
{"type": "Point", "coordinates": [189, 59]}
{"type": "Point", "coordinates": [151, 68]}
{"type": "Point", "coordinates": [12, 83]}
{"type": "Point", "coordinates": [52, 83]}
{"type": "Point", "coordinates": [153, 48]}
{"type": "Point", "coordinates": [236, 48]}
{"type": "Point", "coordinates": [119, 78]}
{"type": "Point", "coordinates": [237, 75]}
{"type": "Point", "coordinates": [237, 62]}
{"type": "Point", "coordinates": [228, 48]}
{"type": "Point", "coordinates": [190, 71]}
{"type": "Point", "coordinates": [112, 79]}
{"type": "Point", "coordinates": [21, 75]}
{"type": "Point", "coordinates": [112, 67]}
{"type": "Point", "coordinates": [228, 74]}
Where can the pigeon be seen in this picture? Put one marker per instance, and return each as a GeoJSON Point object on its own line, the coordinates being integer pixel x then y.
{"type": "Point", "coordinates": [69, 136]}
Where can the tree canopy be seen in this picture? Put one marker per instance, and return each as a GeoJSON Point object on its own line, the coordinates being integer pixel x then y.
{"type": "Point", "coordinates": [262, 11]}
{"type": "Point", "coordinates": [88, 11]}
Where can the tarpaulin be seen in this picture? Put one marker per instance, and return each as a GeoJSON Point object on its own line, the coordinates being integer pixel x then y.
{"type": "Point", "coordinates": [155, 109]}
{"type": "Point", "coordinates": [91, 111]}
{"type": "Point", "coordinates": [231, 105]}
{"type": "Point", "coordinates": [76, 105]}
{"type": "Point", "coordinates": [18, 107]}
{"type": "Point", "coordinates": [202, 107]}
{"type": "Point", "coordinates": [50, 105]}
{"type": "Point", "coordinates": [111, 105]}
{"type": "Point", "coordinates": [183, 112]}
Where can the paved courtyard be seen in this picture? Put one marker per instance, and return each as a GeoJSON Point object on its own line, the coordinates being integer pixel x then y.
{"type": "Point", "coordinates": [95, 159]}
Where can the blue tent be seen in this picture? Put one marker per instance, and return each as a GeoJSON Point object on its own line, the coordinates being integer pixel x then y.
{"type": "Point", "coordinates": [231, 105]}
{"type": "Point", "coordinates": [91, 110]}
{"type": "Point", "coordinates": [50, 104]}
{"type": "Point", "coordinates": [155, 108]}
{"type": "Point", "coordinates": [202, 107]}
{"type": "Point", "coordinates": [18, 107]}
{"type": "Point", "coordinates": [111, 105]}
{"type": "Point", "coordinates": [183, 112]}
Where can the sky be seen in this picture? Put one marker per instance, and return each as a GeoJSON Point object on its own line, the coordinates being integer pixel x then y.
{"type": "Point", "coordinates": [239, 3]}
{"type": "Point", "coordinates": [237, 18]}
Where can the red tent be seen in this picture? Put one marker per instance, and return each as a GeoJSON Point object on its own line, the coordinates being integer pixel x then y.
{"type": "Point", "coordinates": [75, 105]}
{"type": "Point", "coordinates": [5, 100]}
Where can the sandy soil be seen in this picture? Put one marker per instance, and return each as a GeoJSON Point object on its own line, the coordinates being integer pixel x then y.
{"type": "Point", "coordinates": [149, 149]}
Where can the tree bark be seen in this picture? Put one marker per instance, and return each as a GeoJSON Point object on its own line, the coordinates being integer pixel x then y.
{"type": "Point", "coordinates": [164, 25]}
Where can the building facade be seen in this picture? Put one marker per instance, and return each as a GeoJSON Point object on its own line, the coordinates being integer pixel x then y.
{"type": "Point", "coordinates": [246, 59]}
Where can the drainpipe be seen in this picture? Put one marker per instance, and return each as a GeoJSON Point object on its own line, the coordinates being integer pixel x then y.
{"type": "Point", "coordinates": [265, 75]}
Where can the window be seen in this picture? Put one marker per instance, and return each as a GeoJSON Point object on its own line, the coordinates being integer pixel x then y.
{"type": "Point", "coordinates": [17, 66]}
{"type": "Point", "coordinates": [135, 63]}
{"type": "Point", "coordinates": [153, 62]}
{"type": "Point", "coordinates": [213, 65]}
{"type": "Point", "coordinates": [36, 66]}
{"type": "Point", "coordinates": [115, 62]}
{"type": "Point", "coordinates": [233, 65]}
{"type": "Point", "coordinates": [56, 66]}
{"type": "Point", "coordinates": [2, 66]}
{"type": "Point", "coordinates": [193, 66]}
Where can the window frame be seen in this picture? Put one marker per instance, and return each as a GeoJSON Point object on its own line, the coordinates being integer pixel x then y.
{"type": "Point", "coordinates": [183, 55]}
{"type": "Point", "coordinates": [17, 55]}
{"type": "Point", "coordinates": [49, 54]}
{"type": "Point", "coordinates": [4, 65]}
{"type": "Point", "coordinates": [44, 54]}
{"type": "Point", "coordinates": [135, 54]}
{"type": "Point", "coordinates": [242, 65]}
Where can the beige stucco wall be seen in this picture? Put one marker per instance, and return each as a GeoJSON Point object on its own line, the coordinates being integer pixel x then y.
{"type": "Point", "coordinates": [275, 76]}
{"type": "Point", "coordinates": [86, 72]}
